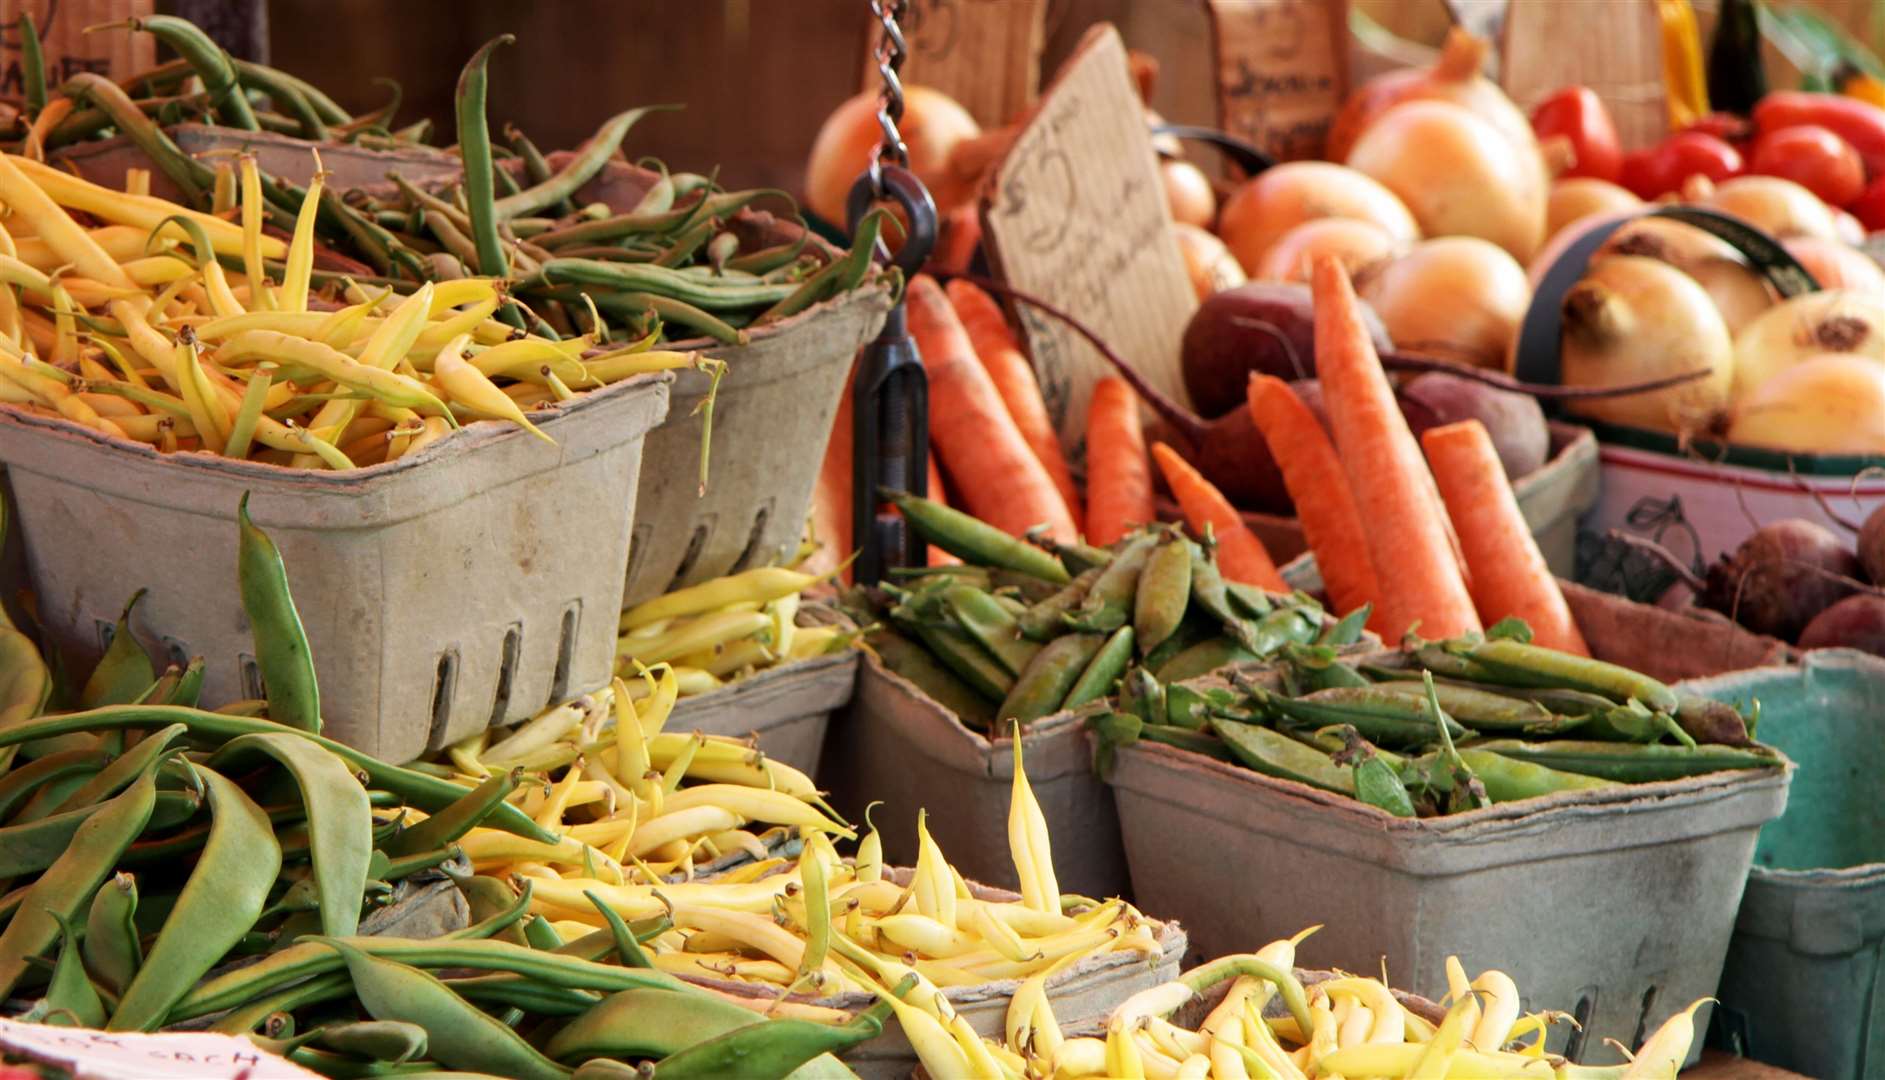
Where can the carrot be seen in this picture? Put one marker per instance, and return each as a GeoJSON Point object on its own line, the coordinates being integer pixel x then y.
{"type": "Point", "coordinates": [1000, 352]}
{"type": "Point", "coordinates": [1118, 472]}
{"type": "Point", "coordinates": [1240, 555]}
{"type": "Point", "coordinates": [831, 498]}
{"type": "Point", "coordinates": [997, 476]}
{"type": "Point", "coordinates": [1417, 574]}
{"type": "Point", "coordinates": [961, 235]}
{"type": "Point", "coordinates": [1509, 575]}
{"type": "Point", "coordinates": [937, 556]}
{"type": "Point", "coordinates": [1313, 474]}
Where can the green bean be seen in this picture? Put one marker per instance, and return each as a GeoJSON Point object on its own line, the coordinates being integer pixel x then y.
{"type": "Point", "coordinates": [766, 260]}
{"type": "Point", "coordinates": [288, 96]}
{"type": "Point", "coordinates": [687, 243]}
{"type": "Point", "coordinates": [226, 890]}
{"type": "Point", "coordinates": [440, 829]}
{"type": "Point", "coordinates": [528, 995]}
{"type": "Point", "coordinates": [474, 148]}
{"type": "Point", "coordinates": [540, 935]}
{"type": "Point", "coordinates": [281, 645]}
{"type": "Point", "coordinates": [32, 64]}
{"type": "Point", "coordinates": [428, 793]}
{"type": "Point", "coordinates": [189, 176]}
{"type": "Point", "coordinates": [23, 783]}
{"type": "Point", "coordinates": [627, 949]}
{"type": "Point", "coordinates": [581, 168]}
{"type": "Point", "coordinates": [678, 312]}
{"type": "Point", "coordinates": [125, 670]}
{"type": "Point", "coordinates": [340, 820]}
{"type": "Point", "coordinates": [69, 883]}
{"type": "Point", "coordinates": [70, 998]}
{"type": "Point", "coordinates": [838, 276]}
{"type": "Point", "coordinates": [210, 63]}
{"type": "Point", "coordinates": [111, 947]}
{"type": "Point", "coordinates": [535, 167]}
{"type": "Point", "coordinates": [654, 279]}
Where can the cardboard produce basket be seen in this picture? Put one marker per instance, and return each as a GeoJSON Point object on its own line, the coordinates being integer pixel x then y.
{"type": "Point", "coordinates": [1804, 984]}
{"type": "Point", "coordinates": [1614, 906]}
{"type": "Point", "coordinates": [442, 593]}
{"type": "Point", "coordinates": [897, 745]}
{"type": "Point", "coordinates": [785, 709]}
{"type": "Point", "coordinates": [104, 161]}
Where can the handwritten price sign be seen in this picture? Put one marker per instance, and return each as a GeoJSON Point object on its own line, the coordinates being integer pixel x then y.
{"type": "Point", "coordinates": [112, 1055]}
{"type": "Point", "coordinates": [1281, 71]}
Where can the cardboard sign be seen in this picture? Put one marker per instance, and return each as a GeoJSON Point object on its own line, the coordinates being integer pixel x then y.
{"type": "Point", "coordinates": [1282, 71]}
{"type": "Point", "coordinates": [117, 1055]}
{"type": "Point", "coordinates": [1075, 214]}
{"type": "Point", "coordinates": [68, 48]}
{"type": "Point", "coordinates": [1627, 72]}
{"type": "Point", "coordinates": [986, 54]}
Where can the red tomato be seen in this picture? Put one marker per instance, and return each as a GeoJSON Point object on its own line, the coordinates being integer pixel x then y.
{"type": "Point", "coordinates": [1724, 126]}
{"type": "Point", "coordinates": [1662, 168]}
{"type": "Point", "coordinates": [1578, 115]}
{"type": "Point", "coordinates": [1869, 207]}
{"type": "Point", "coordinates": [1814, 158]}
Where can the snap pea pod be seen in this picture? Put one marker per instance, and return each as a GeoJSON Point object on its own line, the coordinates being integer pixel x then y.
{"type": "Point", "coordinates": [281, 643]}
{"type": "Point", "coordinates": [209, 61]}
{"type": "Point", "coordinates": [1632, 763]}
{"type": "Point", "coordinates": [1046, 619]}
{"type": "Point", "coordinates": [992, 626]}
{"type": "Point", "coordinates": [1389, 719]}
{"type": "Point", "coordinates": [1534, 665]}
{"type": "Point", "coordinates": [580, 169]}
{"type": "Point", "coordinates": [1042, 689]}
{"type": "Point", "coordinates": [1509, 779]}
{"type": "Point", "coordinates": [1103, 671]}
{"type": "Point", "coordinates": [968, 538]}
{"type": "Point", "coordinates": [1200, 659]}
{"type": "Point", "coordinates": [111, 947]}
{"type": "Point", "coordinates": [961, 655]}
{"type": "Point", "coordinates": [771, 1048]}
{"type": "Point", "coordinates": [915, 663]}
{"type": "Point", "coordinates": [1248, 600]}
{"type": "Point", "coordinates": [1376, 781]}
{"type": "Point", "coordinates": [429, 793]}
{"type": "Point", "coordinates": [1109, 603]}
{"type": "Point", "coordinates": [1273, 754]}
{"type": "Point", "coordinates": [453, 822]}
{"type": "Point", "coordinates": [1163, 593]}
{"type": "Point", "coordinates": [70, 882]}
{"type": "Point", "coordinates": [1483, 710]}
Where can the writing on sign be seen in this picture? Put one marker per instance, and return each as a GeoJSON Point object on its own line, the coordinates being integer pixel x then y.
{"type": "Point", "coordinates": [68, 49]}
{"type": "Point", "coordinates": [115, 1055]}
{"type": "Point", "coordinates": [986, 54]}
{"type": "Point", "coordinates": [1281, 71]}
{"type": "Point", "coordinates": [1076, 215]}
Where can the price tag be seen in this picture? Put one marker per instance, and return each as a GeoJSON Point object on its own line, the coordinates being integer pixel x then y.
{"type": "Point", "coordinates": [68, 49]}
{"type": "Point", "coordinates": [1076, 215]}
{"type": "Point", "coordinates": [1282, 70]}
{"type": "Point", "coordinates": [986, 54]}
{"type": "Point", "coordinates": [114, 1055]}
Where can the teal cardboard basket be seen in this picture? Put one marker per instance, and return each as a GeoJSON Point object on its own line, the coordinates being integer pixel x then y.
{"type": "Point", "coordinates": [1804, 983]}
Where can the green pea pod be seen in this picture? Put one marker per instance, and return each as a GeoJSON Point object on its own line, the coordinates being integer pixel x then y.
{"type": "Point", "coordinates": [912, 661]}
{"type": "Point", "coordinates": [1047, 619]}
{"type": "Point", "coordinates": [1320, 668]}
{"type": "Point", "coordinates": [1632, 763]}
{"type": "Point", "coordinates": [1262, 750]}
{"type": "Point", "coordinates": [1284, 626]}
{"type": "Point", "coordinates": [69, 883]}
{"type": "Point", "coordinates": [1163, 594]}
{"type": "Point", "coordinates": [969, 661]}
{"type": "Point", "coordinates": [24, 783]}
{"type": "Point", "coordinates": [1040, 690]}
{"type": "Point", "coordinates": [1143, 696]}
{"type": "Point", "coordinates": [125, 671]}
{"type": "Point", "coordinates": [1632, 723]}
{"type": "Point", "coordinates": [474, 148]}
{"type": "Point", "coordinates": [281, 645]}
{"type": "Point", "coordinates": [71, 1000]}
{"type": "Point", "coordinates": [225, 892]}
{"type": "Point", "coordinates": [1348, 629]}
{"type": "Point", "coordinates": [1103, 671]}
{"type": "Point", "coordinates": [1198, 742]}
{"type": "Point", "coordinates": [458, 1034]}
{"type": "Point", "coordinates": [968, 538]}
{"type": "Point", "coordinates": [1376, 781]}
{"type": "Point", "coordinates": [111, 947]}
{"type": "Point", "coordinates": [1077, 558]}
{"type": "Point", "coordinates": [1185, 708]}
{"type": "Point", "coordinates": [1483, 710]}
{"type": "Point", "coordinates": [32, 65]}
{"type": "Point", "coordinates": [1534, 665]}
{"type": "Point", "coordinates": [1201, 659]}
{"type": "Point", "coordinates": [1379, 716]}
{"type": "Point", "coordinates": [453, 822]}
{"type": "Point", "coordinates": [992, 626]}
{"type": "Point", "coordinates": [1249, 601]}
{"type": "Point", "coordinates": [632, 1024]}
{"type": "Point", "coordinates": [1509, 779]}
{"type": "Point", "coordinates": [1108, 605]}
{"type": "Point", "coordinates": [1195, 630]}
{"type": "Point", "coordinates": [340, 819]}
{"type": "Point", "coordinates": [771, 1048]}
{"type": "Point", "coordinates": [390, 1041]}
{"type": "Point", "coordinates": [1210, 591]}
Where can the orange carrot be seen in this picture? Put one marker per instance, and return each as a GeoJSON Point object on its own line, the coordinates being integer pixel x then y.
{"type": "Point", "coordinates": [1118, 472]}
{"type": "Point", "coordinates": [1000, 352]}
{"type": "Point", "coordinates": [1509, 575]}
{"type": "Point", "coordinates": [1313, 474]}
{"type": "Point", "coordinates": [1240, 555]}
{"type": "Point", "coordinates": [937, 556]}
{"type": "Point", "coordinates": [1416, 572]}
{"type": "Point", "coordinates": [997, 476]}
{"type": "Point", "coordinates": [831, 498]}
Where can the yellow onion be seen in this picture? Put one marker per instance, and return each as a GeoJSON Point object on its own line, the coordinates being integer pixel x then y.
{"type": "Point", "coordinates": [1211, 265]}
{"type": "Point", "coordinates": [1633, 319]}
{"type": "Point", "coordinates": [1578, 197]}
{"type": "Point", "coordinates": [1833, 320]}
{"type": "Point", "coordinates": [1454, 78]}
{"type": "Point", "coordinates": [1188, 193]}
{"type": "Point", "coordinates": [1453, 297]}
{"type": "Point", "coordinates": [1837, 266]}
{"type": "Point", "coordinates": [1828, 403]}
{"type": "Point", "coordinates": [1740, 292]}
{"type": "Point", "coordinates": [1358, 244]}
{"type": "Point", "coordinates": [1457, 174]}
{"type": "Point", "coordinates": [932, 125]}
{"type": "Point", "coordinates": [1279, 199]}
{"type": "Point", "coordinates": [1777, 206]}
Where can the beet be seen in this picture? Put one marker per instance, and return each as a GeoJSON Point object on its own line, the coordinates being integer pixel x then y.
{"type": "Point", "coordinates": [1515, 422]}
{"type": "Point", "coordinates": [1781, 578]}
{"type": "Point", "coordinates": [1266, 326]}
{"type": "Point", "coordinates": [1857, 622]}
{"type": "Point", "coordinates": [1872, 546]}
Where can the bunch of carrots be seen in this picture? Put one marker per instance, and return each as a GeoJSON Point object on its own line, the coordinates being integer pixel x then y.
{"type": "Point", "coordinates": [1435, 542]}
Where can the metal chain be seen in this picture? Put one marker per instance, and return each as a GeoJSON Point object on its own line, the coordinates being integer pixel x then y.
{"type": "Point", "coordinates": [890, 53]}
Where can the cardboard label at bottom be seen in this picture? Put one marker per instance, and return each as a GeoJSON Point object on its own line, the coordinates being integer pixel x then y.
{"type": "Point", "coordinates": [118, 1055]}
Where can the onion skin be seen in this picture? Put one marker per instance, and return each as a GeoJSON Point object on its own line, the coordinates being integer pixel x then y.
{"type": "Point", "coordinates": [1632, 319]}
{"type": "Point", "coordinates": [1829, 321]}
{"type": "Point", "coordinates": [1455, 78]}
{"type": "Point", "coordinates": [1188, 193]}
{"type": "Point", "coordinates": [1279, 199]}
{"type": "Point", "coordinates": [933, 123]}
{"type": "Point", "coordinates": [1779, 207]}
{"type": "Point", "coordinates": [1358, 244]}
{"type": "Point", "coordinates": [1454, 297]}
{"type": "Point", "coordinates": [1262, 326]}
{"type": "Point", "coordinates": [1211, 265]}
{"type": "Point", "coordinates": [1457, 174]}
{"type": "Point", "coordinates": [1781, 578]}
{"type": "Point", "coordinates": [1833, 403]}
{"type": "Point", "coordinates": [1578, 197]}
{"type": "Point", "coordinates": [1738, 291]}
{"type": "Point", "coordinates": [1836, 266]}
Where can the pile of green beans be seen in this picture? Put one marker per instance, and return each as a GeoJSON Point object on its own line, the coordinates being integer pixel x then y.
{"type": "Point", "coordinates": [170, 865]}
{"type": "Point", "coordinates": [1440, 727]}
{"type": "Point", "coordinates": [1017, 632]}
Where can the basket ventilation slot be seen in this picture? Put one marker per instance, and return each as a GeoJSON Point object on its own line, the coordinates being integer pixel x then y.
{"type": "Point", "coordinates": [751, 550]}
{"type": "Point", "coordinates": [507, 673]}
{"type": "Point", "coordinates": [565, 652]}
{"type": "Point", "coordinates": [1582, 1012]}
{"type": "Point", "coordinates": [443, 685]}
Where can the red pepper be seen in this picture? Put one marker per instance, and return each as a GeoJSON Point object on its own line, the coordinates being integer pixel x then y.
{"type": "Point", "coordinates": [1869, 207]}
{"type": "Point", "coordinates": [1662, 168]}
{"type": "Point", "coordinates": [1578, 115]}
{"type": "Point", "coordinates": [1861, 124]}
{"type": "Point", "coordinates": [1727, 127]}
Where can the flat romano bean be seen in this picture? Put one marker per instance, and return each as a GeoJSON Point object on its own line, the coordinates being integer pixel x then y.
{"type": "Point", "coordinates": [21, 784]}
{"type": "Point", "coordinates": [219, 903]}
{"type": "Point", "coordinates": [281, 644]}
{"type": "Point", "coordinates": [391, 1041]}
{"type": "Point", "coordinates": [125, 671]}
{"type": "Point", "coordinates": [122, 770]}
{"type": "Point", "coordinates": [453, 822]}
{"type": "Point", "coordinates": [70, 998]}
{"type": "Point", "coordinates": [632, 1024]}
{"type": "Point", "coordinates": [112, 949]}
{"type": "Point", "coordinates": [30, 847]}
